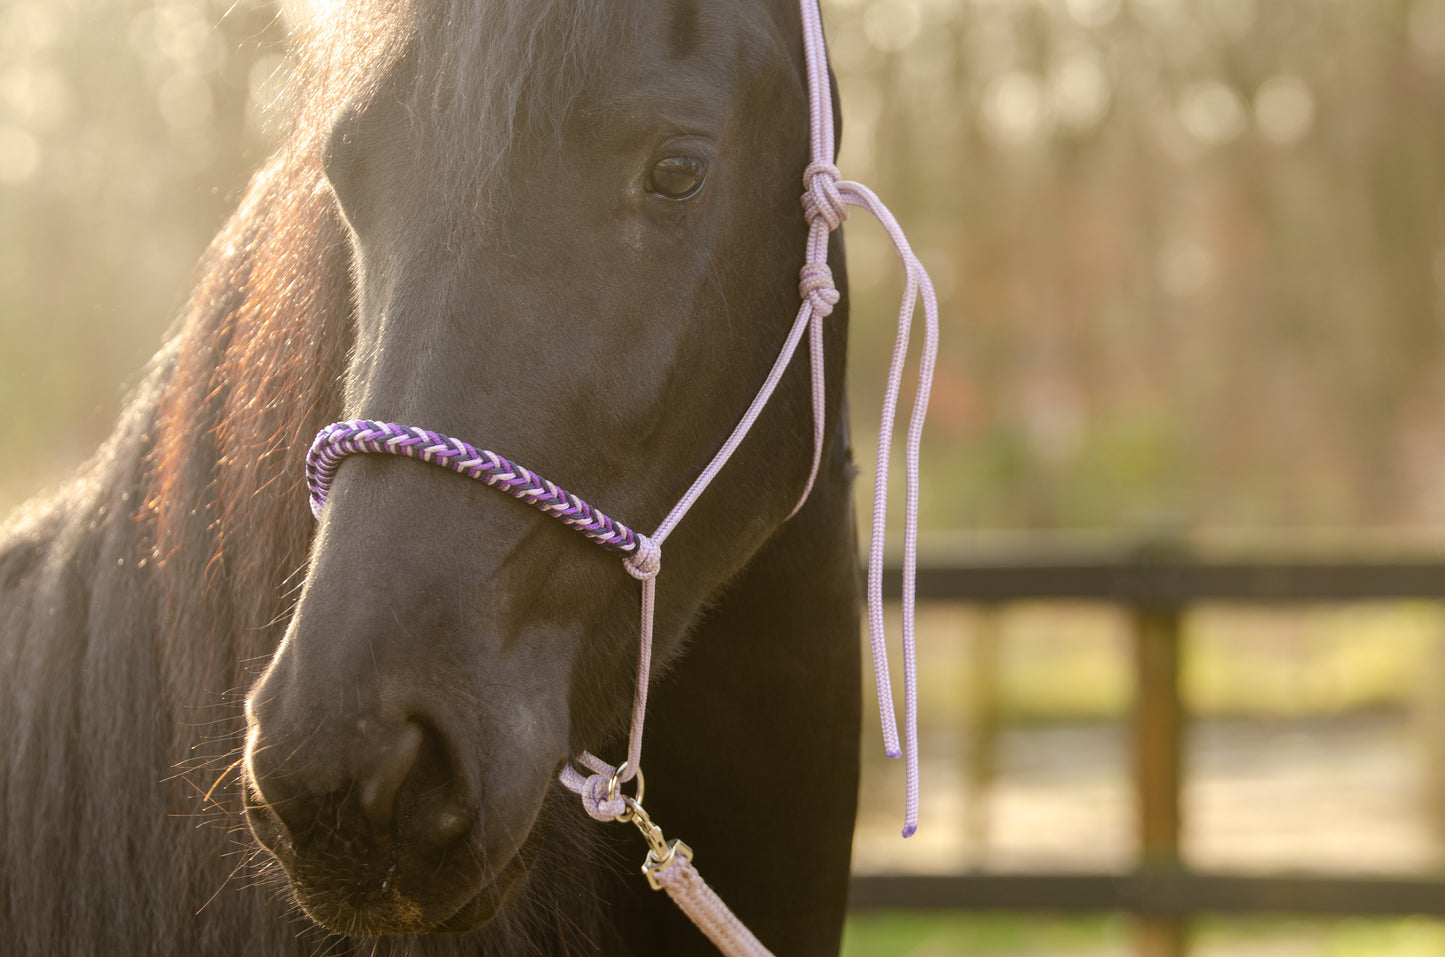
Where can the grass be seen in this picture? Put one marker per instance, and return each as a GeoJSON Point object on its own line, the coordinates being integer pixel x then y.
{"type": "Point", "coordinates": [908, 935]}
{"type": "Point", "coordinates": [912, 935]}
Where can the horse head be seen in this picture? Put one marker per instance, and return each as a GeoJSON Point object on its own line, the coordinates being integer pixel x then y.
{"type": "Point", "coordinates": [575, 240]}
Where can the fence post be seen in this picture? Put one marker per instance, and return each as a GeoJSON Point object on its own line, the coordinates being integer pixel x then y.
{"type": "Point", "coordinates": [983, 729]}
{"type": "Point", "coordinates": [1158, 718]}
{"type": "Point", "coordinates": [1430, 723]}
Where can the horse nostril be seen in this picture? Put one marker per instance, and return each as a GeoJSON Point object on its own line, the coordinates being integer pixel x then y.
{"type": "Point", "coordinates": [379, 784]}
{"type": "Point", "coordinates": [386, 783]}
{"type": "Point", "coordinates": [407, 788]}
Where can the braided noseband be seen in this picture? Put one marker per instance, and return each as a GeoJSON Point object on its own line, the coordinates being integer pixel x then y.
{"type": "Point", "coordinates": [341, 439]}
{"type": "Point", "coordinates": [826, 200]}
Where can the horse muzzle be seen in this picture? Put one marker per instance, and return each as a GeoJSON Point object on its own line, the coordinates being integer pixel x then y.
{"type": "Point", "coordinates": [398, 799]}
{"type": "Point", "coordinates": [408, 730]}
{"type": "Point", "coordinates": [382, 838]}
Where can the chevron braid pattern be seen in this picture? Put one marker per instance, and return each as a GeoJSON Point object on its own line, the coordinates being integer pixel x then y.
{"type": "Point", "coordinates": [341, 439]}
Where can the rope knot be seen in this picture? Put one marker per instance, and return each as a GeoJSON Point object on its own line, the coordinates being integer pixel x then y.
{"type": "Point", "coordinates": [595, 800]}
{"type": "Point", "coordinates": [646, 562]}
{"type": "Point", "coordinates": [822, 196]}
{"type": "Point", "coordinates": [816, 286]}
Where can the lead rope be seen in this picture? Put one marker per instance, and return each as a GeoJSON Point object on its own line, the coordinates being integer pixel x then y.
{"type": "Point", "coordinates": [826, 199]}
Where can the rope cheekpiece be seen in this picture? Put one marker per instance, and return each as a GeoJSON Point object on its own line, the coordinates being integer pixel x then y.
{"type": "Point", "coordinates": [826, 200]}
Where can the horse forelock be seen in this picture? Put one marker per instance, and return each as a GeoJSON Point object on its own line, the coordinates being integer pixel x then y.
{"type": "Point", "coordinates": [483, 73]}
{"type": "Point", "coordinates": [494, 72]}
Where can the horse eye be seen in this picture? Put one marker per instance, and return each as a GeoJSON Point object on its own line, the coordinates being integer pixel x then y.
{"type": "Point", "coordinates": [676, 177]}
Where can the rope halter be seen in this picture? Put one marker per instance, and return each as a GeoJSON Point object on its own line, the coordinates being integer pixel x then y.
{"type": "Point", "coordinates": [826, 200]}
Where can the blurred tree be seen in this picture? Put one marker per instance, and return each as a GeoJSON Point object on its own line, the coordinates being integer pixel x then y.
{"type": "Point", "coordinates": [1190, 251]}
{"type": "Point", "coordinates": [126, 129]}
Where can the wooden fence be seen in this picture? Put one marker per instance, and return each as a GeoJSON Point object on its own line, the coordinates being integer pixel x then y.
{"type": "Point", "coordinates": [1158, 583]}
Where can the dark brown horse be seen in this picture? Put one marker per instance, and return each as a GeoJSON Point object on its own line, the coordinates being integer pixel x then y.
{"type": "Point", "coordinates": [569, 231]}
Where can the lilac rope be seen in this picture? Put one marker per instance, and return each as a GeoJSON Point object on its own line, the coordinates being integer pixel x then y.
{"type": "Point", "coordinates": [825, 204]}
{"type": "Point", "coordinates": [600, 805]}
{"type": "Point", "coordinates": [705, 909]}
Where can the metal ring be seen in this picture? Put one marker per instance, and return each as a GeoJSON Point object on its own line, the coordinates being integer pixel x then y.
{"type": "Point", "coordinates": [616, 781]}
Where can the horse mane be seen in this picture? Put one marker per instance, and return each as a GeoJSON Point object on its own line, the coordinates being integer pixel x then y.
{"type": "Point", "coordinates": [257, 358]}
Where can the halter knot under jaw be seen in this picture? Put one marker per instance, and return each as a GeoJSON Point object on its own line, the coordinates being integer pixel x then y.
{"type": "Point", "coordinates": [816, 286]}
{"type": "Point", "coordinates": [823, 198]}
{"type": "Point", "coordinates": [646, 562]}
{"type": "Point", "coordinates": [597, 802]}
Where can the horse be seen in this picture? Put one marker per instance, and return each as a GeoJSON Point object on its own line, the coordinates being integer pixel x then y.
{"type": "Point", "coordinates": [570, 229]}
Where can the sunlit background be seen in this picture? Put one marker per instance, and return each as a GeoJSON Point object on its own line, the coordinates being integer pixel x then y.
{"type": "Point", "coordinates": [1191, 256]}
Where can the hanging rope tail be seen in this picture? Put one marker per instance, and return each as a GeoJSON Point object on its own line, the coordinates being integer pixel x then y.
{"type": "Point", "coordinates": [826, 201]}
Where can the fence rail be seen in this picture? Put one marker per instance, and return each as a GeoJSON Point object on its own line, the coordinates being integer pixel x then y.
{"type": "Point", "coordinates": [1151, 575]}
{"type": "Point", "coordinates": [1159, 582]}
{"type": "Point", "coordinates": [1156, 893]}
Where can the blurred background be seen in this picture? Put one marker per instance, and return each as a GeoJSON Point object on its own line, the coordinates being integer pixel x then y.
{"type": "Point", "coordinates": [1191, 259]}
